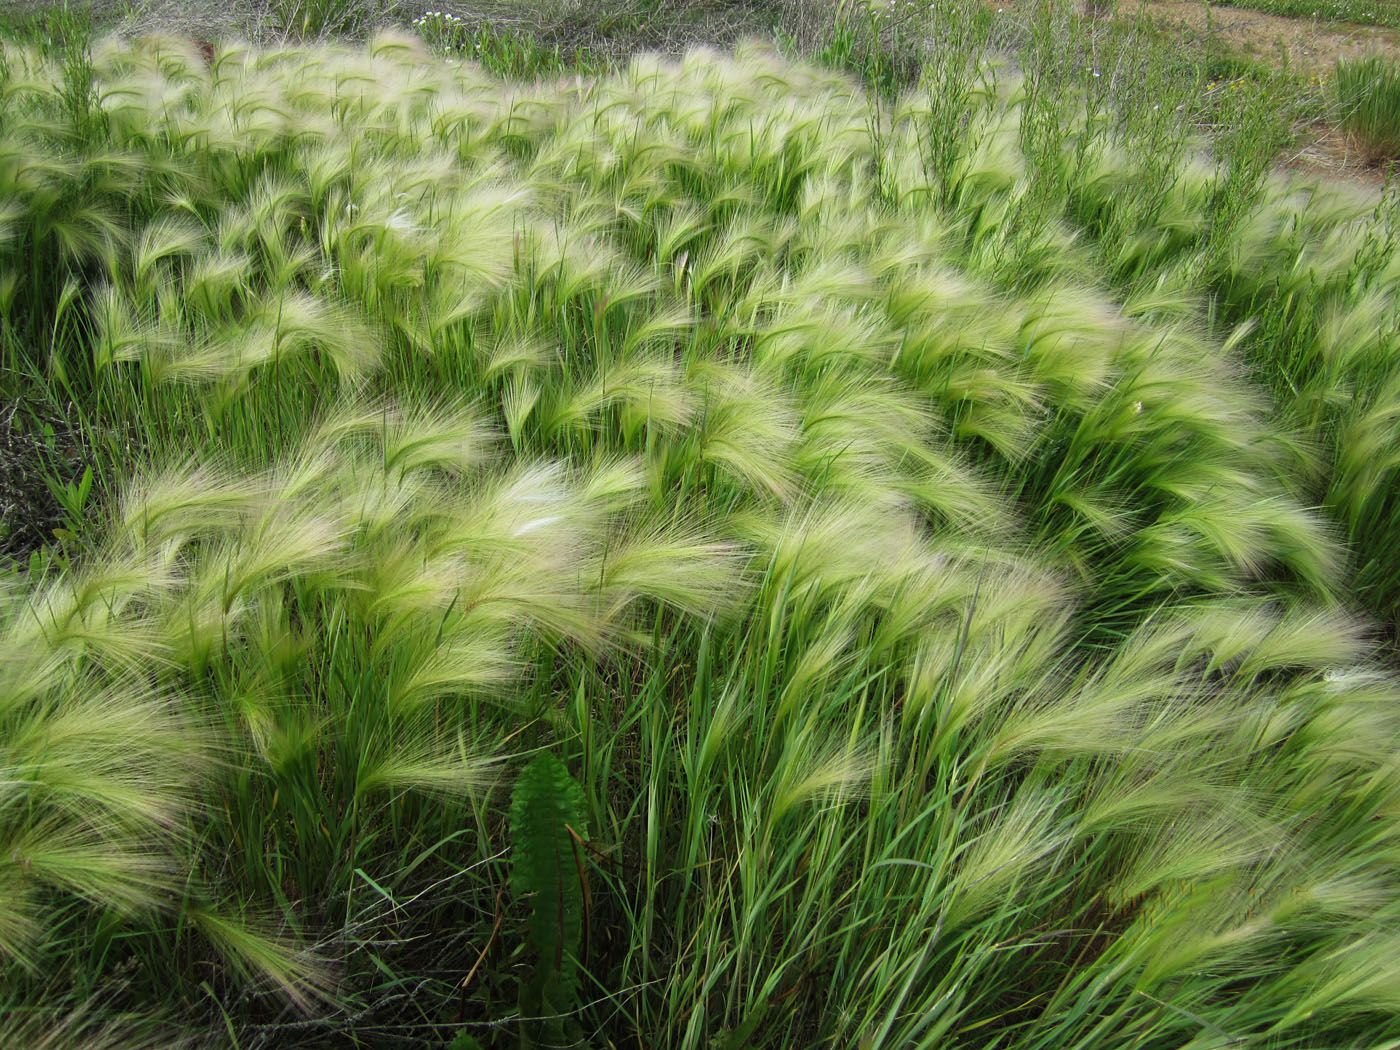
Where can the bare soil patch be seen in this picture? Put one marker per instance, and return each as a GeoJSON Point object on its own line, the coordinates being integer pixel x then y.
{"type": "Point", "coordinates": [1310, 47]}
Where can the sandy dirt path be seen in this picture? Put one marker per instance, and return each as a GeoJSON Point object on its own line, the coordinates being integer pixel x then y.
{"type": "Point", "coordinates": [1309, 46]}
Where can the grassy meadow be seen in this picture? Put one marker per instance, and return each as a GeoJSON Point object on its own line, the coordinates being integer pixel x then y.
{"type": "Point", "coordinates": [727, 551]}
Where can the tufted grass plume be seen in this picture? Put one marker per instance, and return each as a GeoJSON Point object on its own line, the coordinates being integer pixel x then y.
{"type": "Point", "coordinates": [944, 525]}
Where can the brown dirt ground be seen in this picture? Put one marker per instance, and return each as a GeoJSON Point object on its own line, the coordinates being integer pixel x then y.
{"type": "Point", "coordinates": [1310, 47]}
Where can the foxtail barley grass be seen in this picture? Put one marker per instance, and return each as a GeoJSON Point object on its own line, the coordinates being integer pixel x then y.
{"type": "Point", "coordinates": [946, 541]}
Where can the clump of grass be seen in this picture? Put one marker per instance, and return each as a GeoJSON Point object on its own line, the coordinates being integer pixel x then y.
{"type": "Point", "coordinates": [320, 18]}
{"type": "Point", "coordinates": [879, 41]}
{"type": "Point", "coordinates": [504, 51]}
{"type": "Point", "coordinates": [1368, 92]}
{"type": "Point", "coordinates": [931, 529]}
{"type": "Point", "coordinates": [54, 29]}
